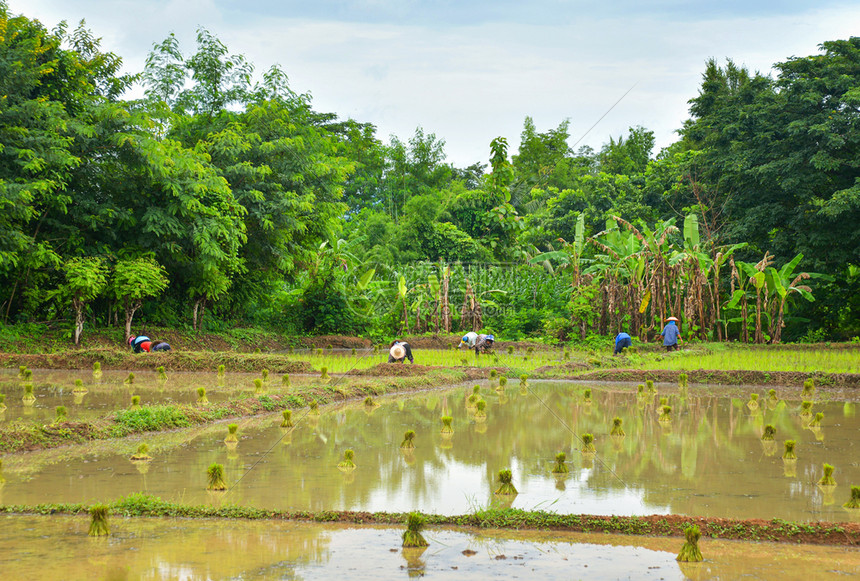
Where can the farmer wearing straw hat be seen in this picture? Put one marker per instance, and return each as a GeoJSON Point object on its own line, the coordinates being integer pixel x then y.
{"type": "Point", "coordinates": [671, 334]}
{"type": "Point", "coordinates": [399, 351]}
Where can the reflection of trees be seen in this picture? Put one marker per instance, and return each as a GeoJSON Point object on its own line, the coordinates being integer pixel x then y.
{"type": "Point", "coordinates": [709, 437]}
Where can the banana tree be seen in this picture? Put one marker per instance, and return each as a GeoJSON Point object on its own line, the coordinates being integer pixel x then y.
{"type": "Point", "coordinates": [783, 283]}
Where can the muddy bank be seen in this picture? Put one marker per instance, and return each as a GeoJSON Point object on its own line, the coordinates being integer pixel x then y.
{"type": "Point", "coordinates": [171, 361]}
{"type": "Point", "coordinates": [819, 533]}
{"type": "Point", "coordinates": [738, 377]}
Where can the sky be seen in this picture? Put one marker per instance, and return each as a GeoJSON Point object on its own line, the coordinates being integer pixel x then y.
{"type": "Point", "coordinates": [469, 71]}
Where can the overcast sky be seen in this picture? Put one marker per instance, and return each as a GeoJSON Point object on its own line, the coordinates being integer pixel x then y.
{"type": "Point", "coordinates": [472, 70]}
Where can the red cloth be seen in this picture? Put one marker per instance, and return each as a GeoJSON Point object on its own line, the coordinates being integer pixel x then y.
{"type": "Point", "coordinates": [145, 346]}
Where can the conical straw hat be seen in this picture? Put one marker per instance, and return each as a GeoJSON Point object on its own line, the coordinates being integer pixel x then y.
{"type": "Point", "coordinates": [398, 352]}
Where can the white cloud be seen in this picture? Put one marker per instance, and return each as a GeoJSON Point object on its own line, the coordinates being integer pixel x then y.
{"type": "Point", "coordinates": [470, 84]}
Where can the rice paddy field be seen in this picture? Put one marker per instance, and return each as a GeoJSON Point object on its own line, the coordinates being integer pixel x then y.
{"type": "Point", "coordinates": [724, 358]}
{"type": "Point", "coordinates": [693, 451]}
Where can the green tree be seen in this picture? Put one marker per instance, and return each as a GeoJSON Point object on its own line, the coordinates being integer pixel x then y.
{"type": "Point", "coordinates": [135, 279]}
{"type": "Point", "coordinates": [86, 278]}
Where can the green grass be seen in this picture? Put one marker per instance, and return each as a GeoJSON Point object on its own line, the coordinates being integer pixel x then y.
{"type": "Point", "coordinates": [342, 363]}
{"type": "Point", "coordinates": [725, 358]}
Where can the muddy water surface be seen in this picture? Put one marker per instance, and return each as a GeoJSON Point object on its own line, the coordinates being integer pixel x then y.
{"type": "Point", "coordinates": [59, 548]}
{"type": "Point", "coordinates": [708, 460]}
{"type": "Point", "coordinates": [111, 391]}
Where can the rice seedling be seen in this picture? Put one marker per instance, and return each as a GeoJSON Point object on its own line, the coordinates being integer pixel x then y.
{"type": "Point", "coordinates": [347, 464]}
{"type": "Point", "coordinates": [288, 419]}
{"type": "Point", "coordinates": [221, 371]}
{"type": "Point", "coordinates": [530, 350]}
{"type": "Point", "coordinates": [22, 372]}
{"type": "Point", "coordinates": [285, 380]}
{"type": "Point", "coordinates": [324, 376]}
{"type": "Point", "coordinates": [766, 360]}
{"type": "Point", "coordinates": [586, 397]}
{"type": "Point", "coordinates": [510, 350]}
{"type": "Point", "coordinates": [480, 410]}
{"type": "Point", "coordinates": [258, 385]}
{"type": "Point", "coordinates": [524, 380]}
{"type": "Point", "coordinates": [130, 379]}
{"type": "Point", "coordinates": [827, 478]}
{"type": "Point", "coordinates": [142, 454]}
{"type": "Point", "coordinates": [447, 430]}
{"type": "Point", "coordinates": [752, 404]}
{"type": "Point", "coordinates": [664, 401]}
{"type": "Point", "coordinates": [854, 503]}
{"type": "Point", "coordinates": [640, 390]}
{"type": "Point", "coordinates": [2, 401]}
{"type": "Point", "coordinates": [368, 402]}
{"type": "Point", "coordinates": [617, 430]}
{"type": "Point", "coordinates": [789, 453]}
{"type": "Point", "coordinates": [665, 414]}
{"type": "Point", "coordinates": [215, 475]}
{"type": "Point", "coordinates": [769, 433]}
{"type": "Point", "coordinates": [314, 407]}
{"type": "Point", "coordinates": [652, 390]}
{"type": "Point", "coordinates": [690, 552]}
{"type": "Point", "coordinates": [28, 398]}
{"type": "Point", "coordinates": [771, 395]}
{"type": "Point", "coordinates": [97, 370]}
{"type": "Point", "coordinates": [493, 377]}
{"type": "Point", "coordinates": [566, 355]}
{"type": "Point", "coordinates": [232, 436]}
{"type": "Point", "coordinates": [503, 381]}
{"type": "Point", "coordinates": [79, 387]}
{"type": "Point", "coordinates": [806, 409]}
{"type": "Point", "coordinates": [162, 374]}
{"type": "Point", "coordinates": [291, 349]}
{"type": "Point", "coordinates": [264, 375]}
{"type": "Point", "coordinates": [319, 351]}
{"type": "Point", "coordinates": [352, 352]}
{"type": "Point", "coordinates": [472, 401]}
{"type": "Point", "coordinates": [506, 485]}
{"type": "Point", "coordinates": [682, 380]}
{"type": "Point", "coordinates": [412, 536]}
{"type": "Point", "coordinates": [808, 388]}
{"type": "Point", "coordinates": [560, 467]}
{"type": "Point", "coordinates": [201, 396]}
{"type": "Point", "coordinates": [408, 440]}
{"type": "Point", "coordinates": [99, 521]}
{"type": "Point", "coordinates": [61, 414]}
{"type": "Point", "coordinates": [816, 421]}
{"type": "Point", "coordinates": [135, 402]}
{"type": "Point", "coordinates": [588, 444]}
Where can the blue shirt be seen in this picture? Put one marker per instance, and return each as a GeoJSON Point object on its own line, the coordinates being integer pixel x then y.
{"type": "Point", "coordinates": [621, 336]}
{"type": "Point", "coordinates": [670, 333]}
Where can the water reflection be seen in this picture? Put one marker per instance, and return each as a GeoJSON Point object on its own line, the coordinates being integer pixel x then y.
{"type": "Point", "coordinates": [58, 548]}
{"type": "Point", "coordinates": [707, 460]}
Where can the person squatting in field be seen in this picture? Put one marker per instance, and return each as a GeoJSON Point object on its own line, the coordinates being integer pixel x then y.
{"type": "Point", "coordinates": [398, 351]}
{"type": "Point", "coordinates": [142, 343]}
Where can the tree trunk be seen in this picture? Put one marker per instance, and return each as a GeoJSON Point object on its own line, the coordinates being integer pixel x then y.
{"type": "Point", "coordinates": [79, 319]}
{"type": "Point", "coordinates": [446, 309]}
{"type": "Point", "coordinates": [130, 309]}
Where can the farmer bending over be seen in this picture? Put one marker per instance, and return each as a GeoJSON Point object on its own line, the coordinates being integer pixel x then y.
{"type": "Point", "coordinates": [468, 340]}
{"type": "Point", "coordinates": [484, 343]}
{"type": "Point", "coordinates": [622, 340]}
{"type": "Point", "coordinates": [140, 343]}
{"type": "Point", "coordinates": [399, 351]}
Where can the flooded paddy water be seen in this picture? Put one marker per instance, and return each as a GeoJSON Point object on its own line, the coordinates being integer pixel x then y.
{"type": "Point", "coordinates": [144, 548]}
{"type": "Point", "coordinates": [707, 460]}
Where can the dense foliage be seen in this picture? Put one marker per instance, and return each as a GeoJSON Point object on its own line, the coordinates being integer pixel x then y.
{"type": "Point", "coordinates": [222, 193]}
